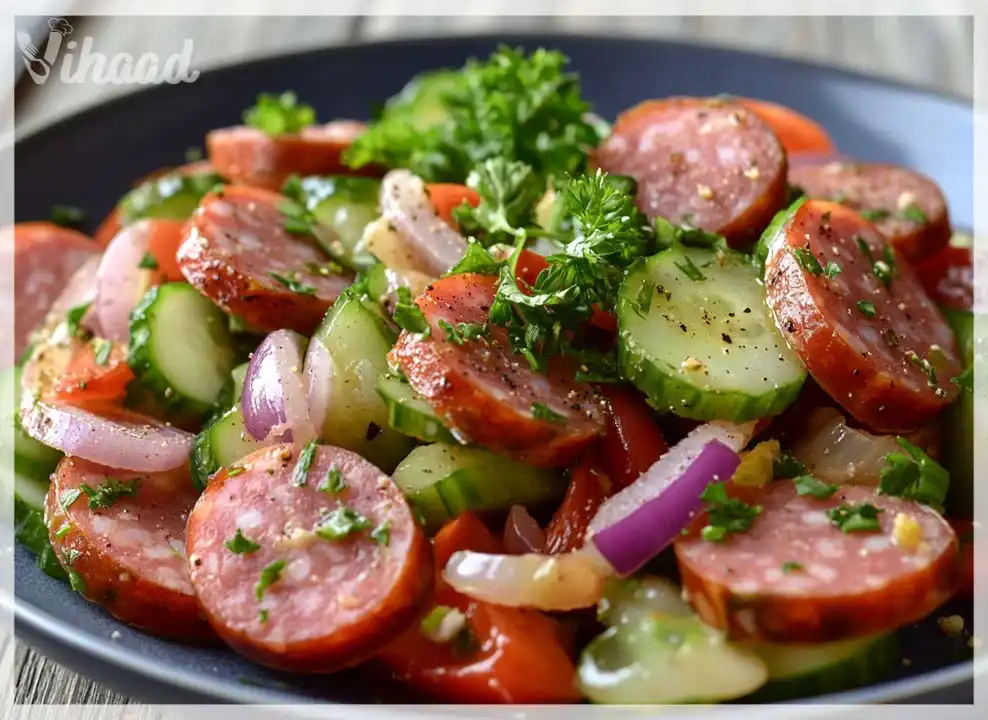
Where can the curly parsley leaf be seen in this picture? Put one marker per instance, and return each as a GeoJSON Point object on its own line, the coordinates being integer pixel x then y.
{"type": "Point", "coordinates": [463, 332]}
{"type": "Point", "coordinates": [476, 260]}
{"type": "Point", "coordinates": [279, 114]}
{"type": "Point", "coordinates": [270, 574]}
{"type": "Point", "coordinates": [407, 314]}
{"type": "Point", "coordinates": [726, 515]}
{"type": "Point", "coordinates": [914, 476]}
{"type": "Point", "coordinates": [509, 190]}
{"type": "Point", "coordinates": [809, 485]}
{"type": "Point", "coordinates": [787, 466]}
{"type": "Point", "coordinates": [855, 518]}
{"type": "Point", "coordinates": [107, 493]}
{"type": "Point", "coordinates": [240, 544]}
{"type": "Point", "coordinates": [341, 523]}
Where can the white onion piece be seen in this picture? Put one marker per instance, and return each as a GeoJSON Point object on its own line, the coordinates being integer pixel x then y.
{"type": "Point", "coordinates": [521, 533]}
{"type": "Point", "coordinates": [435, 246]}
{"type": "Point", "coordinates": [667, 469]}
{"type": "Point", "coordinates": [274, 400]}
{"type": "Point", "coordinates": [120, 281]}
{"type": "Point", "coordinates": [318, 373]}
{"type": "Point", "coordinates": [126, 441]}
{"type": "Point", "coordinates": [836, 453]}
{"type": "Point", "coordinates": [548, 582]}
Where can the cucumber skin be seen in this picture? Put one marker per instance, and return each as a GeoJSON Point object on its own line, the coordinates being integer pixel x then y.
{"type": "Point", "coordinates": [958, 423]}
{"type": "Point", "coordinates": [151, 391]}
{"type": "Point", "coordinates": [667, 393]}
{"type": "Point", "coordinates": [397, 409]}
{"type": "Point", "coordinates": [759, 254]}
{"type": "Point", "coordinates": [202, 459]}
{"type": "Point", "coordinates": [872, 664]}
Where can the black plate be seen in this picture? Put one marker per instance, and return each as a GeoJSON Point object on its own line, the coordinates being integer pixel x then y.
{"type": "Point", "coordinates": [88, 160]}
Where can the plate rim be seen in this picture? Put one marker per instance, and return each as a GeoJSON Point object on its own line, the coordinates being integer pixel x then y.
{"type": "Point", "coordinates": [59, 632]}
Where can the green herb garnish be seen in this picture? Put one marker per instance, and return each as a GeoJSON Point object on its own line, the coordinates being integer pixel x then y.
{"type": "Point", "coordinates": [334, 482]}
{"type": "Point", "coordinates": [866, 308]}
{"type": "Point", "coordinates": [788, 567]}
{"type": "Point", "coordinates": [915, 214]}
{"type": "Point", "coordinates": [74, 316]}
{"type": "Point", "coordinates": [107, 493]}
{"type": "Point", "coordinates": [464, 332]}
{"type": "Point", "coordinates": [875, 214]}
{"type": "Point", "coordinates": [914, 476]}
{"type": "Point", "coordinates": [148, 262]}
{"type": "Point", "coordinates": [305, 458]}
{"type": "Point", "coordinates": [408, 316]}
{"type": "Point", "coordinates": [809, 485]}
{"type": "Point", "coordinates": [541, 411]}
{"type": "Point", "coordinates": [855, 518]}
{"type": "Point", "coordinates": [241, 545]}
{"type": "Point", "coordinates": [269, 576]}
{"type": "Point", "coordinates": [102, 348]}
{"type": "Point", "coordinates": [382, 533]}
{"type": "Point", "coordinates": [279, 114]}
{"type": "Point", "coordinates": [340, 523]}
{"type": "Point", "coordinates": [786, 466]}
{"type": "Point", "coordinates": [508, 192]}
{"type": "Point", "coordinates": [726, 515]}
{"type": "Point", "coordinates": [296, 286]}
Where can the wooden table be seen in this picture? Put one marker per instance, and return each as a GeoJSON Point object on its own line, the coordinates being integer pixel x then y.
{"type": "Point", "coordinates": [935, 52]}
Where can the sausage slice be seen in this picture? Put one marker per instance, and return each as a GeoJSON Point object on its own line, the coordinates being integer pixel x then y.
{"type": "Point", "coordinates": [487, 393]}
{"type": "Point", "coordinates": [710, 163]}
{"type": "Point", "coordinates": [121, 537]}
{"type": "Point", "coordinates": [857, 315]}
{"type": "Point", "coordinates": [794, 576]}
{"type": "Point", "coordinates": [307, 571]}
{"type": "Point", "coordinates": [237, 253]}
{"type": "Point", "coordinates": [908, 208]}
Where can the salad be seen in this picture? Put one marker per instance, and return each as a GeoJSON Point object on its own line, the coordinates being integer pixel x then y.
{"type": "Point", "coordinates": [507, 401]}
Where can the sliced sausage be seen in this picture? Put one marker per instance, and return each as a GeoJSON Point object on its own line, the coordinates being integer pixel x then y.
{"type": "Point", "coordinates": [487, 393]}
{"type": "Point", "coordinates": [948, 277]}
{"type": "Point", "coordinates": [794, 576]}
{"type": "Point", "coordinates": [45, 258]}
{"type": "Point", "coordinates": [709, 163]}
{"type": "Point", "coordinates": [121, 537]}
{"type": "Point", "coordinates": [907, 208]}
{"type": "Point", "coordinates": [880, 348]}
{"type": "Point", "coordinates": [289, 597]}
{"type": "Point", "coordinates": [237, 253]}
{"type": "Point", "coordinates": [249, 156]}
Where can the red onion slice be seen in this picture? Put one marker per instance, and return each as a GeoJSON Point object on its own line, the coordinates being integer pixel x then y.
{"type": "Point", "coordinates": [635, 539]}
{"type": "Point", "coordinates": [435, 246]}
{"type": "Point", "coordinates": [318, 373]}
{"type": "Point", "coordinates": [120, 281]}
{"type": "Point", "coordinates": [521, 533]}
{"type": "Point", "coordinates": [274, 401]}
{"type": "Point", "coordinates": [125, 440]}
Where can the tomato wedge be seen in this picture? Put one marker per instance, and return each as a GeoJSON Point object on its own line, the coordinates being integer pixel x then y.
{"type": "Point", "coordinates": [446, 197]}
{"type": "Point", "coordinates": [588, 487]}
{"type": "Point", "coordinates": [948, 277]}
{"type": "Point", "coordinates": [516, 656]}
{"type": "Point", "coordinates": [797, 133]}
{"type": "Point", "coordinates": [633, 441]}
{"type": "Point", "coordinates": [164, 237]}
{"type": "Point", "coordinates": [87, 382]}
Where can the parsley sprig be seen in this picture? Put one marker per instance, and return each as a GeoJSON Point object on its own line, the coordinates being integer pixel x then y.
{"type": "Point", "coordinates": [855, 518]}
{"type": "Point", "coordinates": [726, 515]}
{"type": "Point", "coordinates": [914, 475]}
{"type": "Point", "coordinates": [279, 114]}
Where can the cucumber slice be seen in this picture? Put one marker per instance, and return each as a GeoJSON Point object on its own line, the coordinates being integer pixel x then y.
{"type": "Point", "coordinates": [421, 100]}
{"type": "Point", "coordinates": [224, 441]}
{"type": "Point", "coordinates": [342, 205]}
{"type": "Point", "coordinates": [696, 336]}
{"type": "Point", "coordinates": [173, 195]}
{"type": "Point", "coordinates": [797, 670]}
{"type": "Point", "coordinates": [357, 342]}
{"type": "Point", "coordinates": [409, 414]}
{"type": "Point", "coordinates": [760, 252]}
{"type": "Point", "coordinates": [441, 481]}
{"type": "Point", "coordinates": [180, 349]}
{"type": "Point", "coordinates": [662, 658]}
{"type": "Point", "coordinates": [629, 601]}
{"type": "Point", "coordinates": [958, 424]}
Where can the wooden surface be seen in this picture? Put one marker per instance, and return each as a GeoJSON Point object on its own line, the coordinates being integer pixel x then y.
{"type": "Point", "coordinates": [934, 52]}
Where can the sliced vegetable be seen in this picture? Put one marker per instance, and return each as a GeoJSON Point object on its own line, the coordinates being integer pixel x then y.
{"type": "Point", "coordinates": [409, 414]}
{"type": "Point", "coordinates": [222, 442]}
{"type": "Point", "coordinates": [958, 422]}
{"type": "Point", "coordinates": [642, 534]}
{"type": "Point", "coordinates": [696, 337]}
{"type": "Point", "coordinates": [837, 453]}
{"type": "Point", "coordinates": [522, 533]}
{"type": "Point", "coordinates": [274, 401]}
{"type": "Point", "coordinates": [96, 373]}
{"type": "Point", "coordinates": [346, 356]}
{"type": "Point", "coordinates": [588, 487]}
{"type": "Point", "coordinates": [180, 348]}
{"type": "Point", "coordinates": [633, 442]}
{"type": "Point", "coordinates": [446, 197]}
{"type": "Point", "coordinates": [173, 195]}
{"type": "Point", "coordinates": [442, 481]}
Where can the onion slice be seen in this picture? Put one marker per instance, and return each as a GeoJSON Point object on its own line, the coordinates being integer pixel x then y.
{"type": "Point", "coordinates": [836, 453]}
{"type": "Point", "coordinates": [120, 281]}
{"type": "Point", "coordinates": [641, 535]}
{"type": "Point", "coordinates": [433, 244]}
{"type": "Point", "coordinates": [521, 533]}
{"type": "Point", "coordinates": [124, 440]}
{"type": "Point", "coordinates": [274, 401]}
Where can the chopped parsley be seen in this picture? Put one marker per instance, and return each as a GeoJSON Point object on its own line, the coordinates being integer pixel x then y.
{"type": "Point", "coordinates": [341, 523]}
{"type": "Point", "coordinates": [240, 544]}
{"type": "Point", "coordinates": [107, 493]}
{"type": "Point", "coordinates": [508, 191]}
{"type": "Point", "coordinates": [334, 482]}
{"type": "Point", "coordinates": [67, 215]}
{"type": "Point", "coordinates": [863, 247]}
{"type": "Point", "coordinates": [808, 261]}
{"type": "Point", "coordinates": [382, 533]}
{"type": "Point", "coordinates": [464, 332]}
{"type": "Point", "coordinates": [914, 475]}
{"type": "Point", "coordinates": [875, 214]}
{"type": "Point", "coordinates": [726, 515]}
{"type": "Point", "coordinates": [965, 380]}
{"type": "Point", "coordinates": [642, 303]}
{"type": "Point", "coordinates": [301, 472]}
{"type": "Point", "coordinates": [788, 567]}
{"type": "Point", "coordinates": [690, 270]}
{"type": "Point", "coordinates": [148, 262]}
{"type": "Point", "coordinates": [101, 349]}
{"type": "Point", "coordinates": [74, 316]}
{"type": "Point", "coordinates": [279, 114]}
{"type": "Point", "coordinates": [541, 411]}
{"type": "Point", "coordinates": [270, 574]}
{"type": "Point", "coordinates": [855, 518]}
{"type": "Point", "coordinates": [926, 366]}
{"type": "Point", "coordinates": [76, 582]}
{"type": "Point", "coordinates": [866, 308]}
{"type": "Point", "coordinates": [831, 269]}
{"type": "Point", "coordinates": [915, 214]}
{"type": "Point", "coordinates": [296, 286]}
{"type": "Point", "coordinates": [262, 616]}
{"type": "Point", "coordinates": [809, 485]}
{"type": "Point", "coordinates": [786, 466]}
{"type": "Point", "coordinates": [408, 316]}
{"type": "Point", "coordinates": [476, 260]}
{"type": "Point", "coordinates": [235, 470]}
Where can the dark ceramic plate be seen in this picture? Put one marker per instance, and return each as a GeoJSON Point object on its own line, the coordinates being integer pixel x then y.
{"type": "Point", "coordinates": [88, 160]}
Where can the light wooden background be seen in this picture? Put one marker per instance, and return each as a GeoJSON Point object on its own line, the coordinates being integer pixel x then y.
{"type": "Point", "coordinates": [935, 52]}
